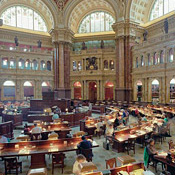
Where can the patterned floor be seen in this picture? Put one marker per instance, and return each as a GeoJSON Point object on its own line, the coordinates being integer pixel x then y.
{"type": "Point", "coordinates": [100, 154]}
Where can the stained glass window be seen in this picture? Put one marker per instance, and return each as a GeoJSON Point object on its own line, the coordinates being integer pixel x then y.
{"type": "Point", "coordinates": [96, 22]}
{"type": "Point", "coordinates": [161, 7]}
{"type": "Point", "coordinates": [23, 17]}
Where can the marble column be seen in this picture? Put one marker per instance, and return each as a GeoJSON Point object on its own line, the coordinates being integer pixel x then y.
{"type": "Point", "coordinates": [61, 65]}
{"type": "Point", "coordinates": [56, 65]}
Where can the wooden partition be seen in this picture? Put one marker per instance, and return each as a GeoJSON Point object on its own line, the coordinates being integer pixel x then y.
{"type": "Point", "coordinates": [15, 118]}
{"type": "Point", "coordinates": [6, 129]}
{"type": "Point", "coordinates": [72, 118]}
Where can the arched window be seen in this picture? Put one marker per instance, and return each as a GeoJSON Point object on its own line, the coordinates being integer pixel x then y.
{"type": "Point", "coordinates": [12, 63]}
{"type": "Point", "coordinates": [161, 7]}
{"type": "Point", "coordinates": [43, 65]}
{"type": "Point", "coordinates": [137, 63]}
{"type": "Point", "coordinates": [96, 22]}
{"type": "Point", "coordinates": [5, 63]}
{"type": "Point", "coordinates": [162, 56]}
{"type": "Point", "coordinates": [21, 64]}
{"type": "Point", "coordinates": [156, 59]}
{"type": "Point", "coordinates": [9, 89]}
{"type": "Point", "coordinates": [48, 65]}
{"type": "Point", "coordinates": [23, 17]}
{"type": "Point", "coordinates": [171, 56]}
{"type": "Point", "coordinates": [105, 64]}
{"type": "Point", "coordinates": [74, 65]}
{"type": "Point", "coordinates": [34, 65]}
{"type": "Point", "coordinates": [111, 64]}
{"type": "Point", "coordinates": [28, 64]}
{"type": "Point", "coordinates": [142, 61]}
{"type": "Point", "coordinates": [79, 66]}
{"type": "Point", "coordinates": [149, 60]}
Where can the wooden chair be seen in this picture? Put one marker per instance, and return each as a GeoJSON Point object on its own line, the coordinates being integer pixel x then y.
{"type": "Point", "coordinates": [111, 163]}
{"type": "Point", "coordinates": [87, 153]}
{"type": "Point", "coordinates": [79, 134]}
{"type": "Point", "coordinates": [35, 136]}
{"type": "Point", "coordinates": [11, 163]}
{"type": "Point", "coordinates": [171, 144]}
{"type": "Point", "coordinates": [58, 159]}
{"type": "Point", "coordinates": [130, 145]}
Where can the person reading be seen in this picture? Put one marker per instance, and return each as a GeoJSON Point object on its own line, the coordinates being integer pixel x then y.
{"type": "Point", "coordinates": [36, 130]}
{"type": "Point", "coordinates": [77, 165]}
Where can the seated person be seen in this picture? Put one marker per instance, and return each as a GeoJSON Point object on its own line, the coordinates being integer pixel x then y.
{"type": "Point", "coordinates": [109, 130]}
{"type": "Point", "coordinates": [145, 118]}
{"type": "Point", "coordinates": [77, 165]}
{"type": "Point", "coordinates": [36, 130]}
{"type": "Point", "coordinates": [156, 130]}
{"type": "Point", "coordinates": [116, 123]}
{"type": "Point", "coordinates": [55, 116]}
{"type": "Point", "coordinates": [151, 149]}
{"type": "Point", "coordinates": [164, 130]}
{"type": "Point", "coordinates": [3, 139]}
{"type": "Point", "coordinates": [26, 129]}
{"type": "Point", "coordinates": [85, 144]}
{"type": "Point", "coordinates": [53, 136]}
{"type": "Point", "coordinates": [165, 119]}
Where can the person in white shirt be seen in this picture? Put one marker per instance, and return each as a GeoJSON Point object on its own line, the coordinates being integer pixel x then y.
{"type": "Point", "coordinates": [77, 165]}
{"type": "Point", "coordinates": [3, 139]}
{"type": "Point", "coordinates": [36, 129]}
{"type": "Point", "coordinates": [109, 130]}
{"type": "Point", "coordinates": [98, 126]}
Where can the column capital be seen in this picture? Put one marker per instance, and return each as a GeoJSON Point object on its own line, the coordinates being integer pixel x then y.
{"type": "Point", "coordinates": [61, 35]}
{"type": "Point", "coordinates": [127, 28]}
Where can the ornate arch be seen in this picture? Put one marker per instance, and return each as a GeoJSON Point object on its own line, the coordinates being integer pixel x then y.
{"type": "Point", "coordinates": [45, 8]}
{"type": "Point", "coordinates": [74, 11]}
{"type": "Point", "coordinates": [139, 10]}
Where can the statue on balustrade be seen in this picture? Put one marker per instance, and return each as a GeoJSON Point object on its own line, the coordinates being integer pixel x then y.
{"type": "Point", "coordinates": [102, 44]}
{"type": "Point", "coordinates": [16, 41]}
{"type": "Point", "coordinates": [166, 25]}
{"type": "Point", "coordinates": [83, 46]}
{"type": "Point", "coordinates": [39, 44]}
{"type": "Point", "coordinates": [145, 34]}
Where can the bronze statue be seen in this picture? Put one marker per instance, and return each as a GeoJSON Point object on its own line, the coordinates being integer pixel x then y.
{"type": "Point", "coordinates": [83, 46]}
{"type": "Point", "coordinates": [166, 25]}
{"type": "Point", "coordinates": [145, 34]}
{"type": "Point", "coordinates": [102, 44]}
{"type": "Point", "coordinates": [16, 41]}
{"type": "Point", "coordinates": [39, 44]}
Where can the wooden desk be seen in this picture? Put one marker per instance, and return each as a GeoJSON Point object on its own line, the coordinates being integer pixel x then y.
{"type": "Point", "coordinates": [38, 149]}
{"type": "Point", "coordinates": [42, 117]}
{"type": "Point", "coordinates": [72, 118]}
{"type": "Point", "coordinates": [135, 166]}
{"type": "Point", "coordinates": [62, 129]}
{"type": "Point", "coordinates": [6, 129]}
{"type": "Point", "coordinates": [15, 118]}
{"type": "Point", "coordinates": [124, 135]}
{"type": "Point", "coordinates": [170, 166]}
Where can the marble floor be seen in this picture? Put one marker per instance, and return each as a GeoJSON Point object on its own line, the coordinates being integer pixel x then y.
{"type": "Point", "coordinates": [100, 154]}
